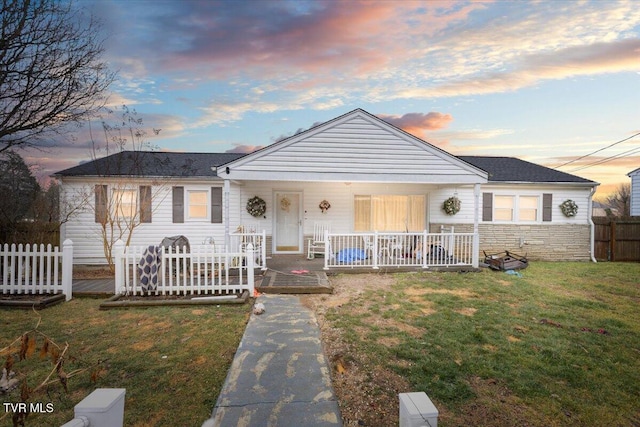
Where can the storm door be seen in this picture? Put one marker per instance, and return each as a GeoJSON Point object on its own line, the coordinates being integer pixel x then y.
{"type": "Point", "coordinates": [288, 232]}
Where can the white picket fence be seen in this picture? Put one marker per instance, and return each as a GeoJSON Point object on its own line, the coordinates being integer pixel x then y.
{"type": "Point", "coordinates": [422, 249]}
{"type": "Point", "coordinates": [197, 270]}
{"type": "Point", "coordinates": [36, 269]}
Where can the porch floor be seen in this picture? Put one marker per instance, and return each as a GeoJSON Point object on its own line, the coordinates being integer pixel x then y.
{"type": "Point", "coordinates": [280, 278]}
{"type": "Point", "coordinates": [295, 274]}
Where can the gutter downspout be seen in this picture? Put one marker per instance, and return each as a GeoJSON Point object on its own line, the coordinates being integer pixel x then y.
{"type": "Point", "coordinates": [476, 233]}
{"type": "Point", "coordinates": [592, 225]}
{"type": "Point", "coordinates": [227, 202]}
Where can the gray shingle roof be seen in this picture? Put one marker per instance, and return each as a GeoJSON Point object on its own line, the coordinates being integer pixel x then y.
{"type": "Point", "coordinates": [511, 169]}
{"type": "Point", "coordinates": [153, 163]}
{"type": "Point", "coordinates": [159, 163]}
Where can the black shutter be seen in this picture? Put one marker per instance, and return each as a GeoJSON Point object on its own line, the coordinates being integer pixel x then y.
{"type": "Point", "coordinates": [547, 209]}
{"type": "Point", "coordinates": [145, 203]}
{"type": "Point", "coordinates": [216, 205]}
{"type": "Point", "coordinates": [178, 204]}
{"type": "Point", "coordinates": [487, 206]}
{"type": "Point", "coordinates": [101, 203]}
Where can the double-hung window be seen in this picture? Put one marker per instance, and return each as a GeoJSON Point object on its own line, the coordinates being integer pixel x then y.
{"type": "Point", "coordinates": [528, 208]}
{"type": "Point", "coordinates": [503, 208]}
{"type": "Point", "coordinates": [129, 204]}
{"type": "Point", "coordinates": [125, 203]}
{"type": "Point", "coordinates": [512, 208]}
{"type": "Point", "coordinates": [197, 204]}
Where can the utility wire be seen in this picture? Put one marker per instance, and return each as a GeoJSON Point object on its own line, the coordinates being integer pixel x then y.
{"type": "Point", "coordinates": [608, 159]}
{"type": "Point", "coordinates": [597, 151]}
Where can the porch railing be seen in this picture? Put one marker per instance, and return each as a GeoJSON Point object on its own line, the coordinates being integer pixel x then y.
{"type": "Point", "coordinates": [198, 270]}
{"type": "Point", "coordinates": [240, 241]}
{"type": "Point", "coordinates": [422, 249]}
{"type": "Point", "coordinates": [36, 269]}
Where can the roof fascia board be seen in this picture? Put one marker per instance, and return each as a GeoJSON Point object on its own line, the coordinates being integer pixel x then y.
{"type": "Point", "coordinates": [542, 183]}
{"type": "Point", "coordinates": [353, 177]}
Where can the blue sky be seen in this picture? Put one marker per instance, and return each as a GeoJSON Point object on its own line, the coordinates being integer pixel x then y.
{"type": "Point", "coordinates": [546, 81]}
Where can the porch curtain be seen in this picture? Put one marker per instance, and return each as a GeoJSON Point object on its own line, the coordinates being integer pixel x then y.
{"type": "Point", "coordinates": [389, 213]}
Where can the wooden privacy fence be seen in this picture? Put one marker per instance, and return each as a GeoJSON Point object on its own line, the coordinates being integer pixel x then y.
{"type": "Point", "coordinates": [617, 240]}
{"type": "Point", "coordinates": [33, 269]}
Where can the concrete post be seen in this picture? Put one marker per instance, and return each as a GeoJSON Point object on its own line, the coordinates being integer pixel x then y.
{"type": "Point", "coordinates": [118, 256]}
{"type": "Point", "coordinates": [67, 268]}
{"type": "Point", "coordinates": [104, 407]}
{"type": "Point", "coordinates": [417, 410]}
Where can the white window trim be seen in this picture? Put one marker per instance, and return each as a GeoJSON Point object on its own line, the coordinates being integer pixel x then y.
{"type": "Point", "coordinates": [516, 208]}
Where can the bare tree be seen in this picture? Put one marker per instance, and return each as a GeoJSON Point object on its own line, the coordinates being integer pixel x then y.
{"type": "Point", "coordinates": [118, 203]}
{"type": "Point", "coordinates": [620, 201]}
{"type": "Point", "coordinates": [51, 72]}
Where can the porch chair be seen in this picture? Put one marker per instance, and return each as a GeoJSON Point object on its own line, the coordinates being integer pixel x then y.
{"type": "Point", "coordinates": [316, 242]}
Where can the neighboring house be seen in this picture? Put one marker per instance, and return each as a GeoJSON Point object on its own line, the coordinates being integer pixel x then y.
{"type": "Point", "coordinates": [599, 209]}
{"type": "Point", "coordinates": [375, 176]}
{"type": "Point", "coordinates": [635, 192]}
{"type": "Point", "coordinates": [603, 210]}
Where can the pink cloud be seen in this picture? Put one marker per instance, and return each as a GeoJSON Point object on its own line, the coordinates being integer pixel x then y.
{"type": "Point", "coordinates": [223, 39]}
{"type": "Point", "coordinates": [597, 58]}
{"type": "Point", "coordinates": [243, 148]}
{"type": "Point", "coordinates": [419, 124]}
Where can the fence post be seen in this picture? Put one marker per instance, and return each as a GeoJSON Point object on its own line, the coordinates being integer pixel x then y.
{"type": "Point", "coordinates": [375, 250]}
{"type": "Point", "coordinates": [118, 255]}
{"type": "Point", "coordinates": [263, 249]}
{"type": "Point", "coordinates": [67, 269]}
{"type": "Point", "coordinates": [250, 266]}
{"type": "Point", "coordinates": [423, 250]}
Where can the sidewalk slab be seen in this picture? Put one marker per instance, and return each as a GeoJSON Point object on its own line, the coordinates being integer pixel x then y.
{"type": "Point", "coordinates": [279, 375]}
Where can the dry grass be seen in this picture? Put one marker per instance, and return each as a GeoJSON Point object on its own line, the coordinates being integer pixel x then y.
{"type": "Point", "coordinates": [557, 347]}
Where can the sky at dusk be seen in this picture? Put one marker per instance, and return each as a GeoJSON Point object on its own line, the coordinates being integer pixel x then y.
{"type": "Point", "coordinates": [545, 81]}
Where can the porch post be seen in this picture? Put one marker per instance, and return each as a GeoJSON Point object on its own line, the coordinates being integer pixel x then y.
{"type": "Point", "coordinates": [476, 218]}
{"type": "Point", "coordinates": [226, 201]}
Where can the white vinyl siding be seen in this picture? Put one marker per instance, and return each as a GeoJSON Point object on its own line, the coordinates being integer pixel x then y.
{"type": "Point", "coordinates": [357, 148]}
{"type": "Point", "coordinates": [635, 192]}
{"type": "Point", "coordinates": [85, 232]}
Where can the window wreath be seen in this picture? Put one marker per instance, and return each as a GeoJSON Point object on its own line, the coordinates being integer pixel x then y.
{"type": "Point", "coordinates": [324, 206]}
{"type": "Point", "coordinates": [256, 206]}
{"type": "Point", "coordinates": [451, 206]}
{"type": "Point", "coordinates": [569, 208]}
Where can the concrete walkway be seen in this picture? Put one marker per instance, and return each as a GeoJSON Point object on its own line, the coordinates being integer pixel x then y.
{"type": "Point", "coordinates": [279, 375]}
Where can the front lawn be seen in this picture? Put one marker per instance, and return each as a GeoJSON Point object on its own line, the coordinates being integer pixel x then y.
{"type": "Point", "coordinates": [558, 346]}
{"type": "Point", "coordinates": [172, 361]}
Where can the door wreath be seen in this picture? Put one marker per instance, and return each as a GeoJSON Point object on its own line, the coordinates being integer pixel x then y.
{"type": "Point", "coordinates": [256, 206]}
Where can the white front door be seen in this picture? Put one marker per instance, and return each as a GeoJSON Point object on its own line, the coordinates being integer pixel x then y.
{"type": "Point", "coordinates": [287, 236]}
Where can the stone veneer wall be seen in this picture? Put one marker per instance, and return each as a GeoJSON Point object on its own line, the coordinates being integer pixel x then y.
{"type": "Point", "coordinates": [561, 242]}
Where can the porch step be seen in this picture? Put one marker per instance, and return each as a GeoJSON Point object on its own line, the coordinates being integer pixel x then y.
{"type": "Point", "coordinates": [277, 282]}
